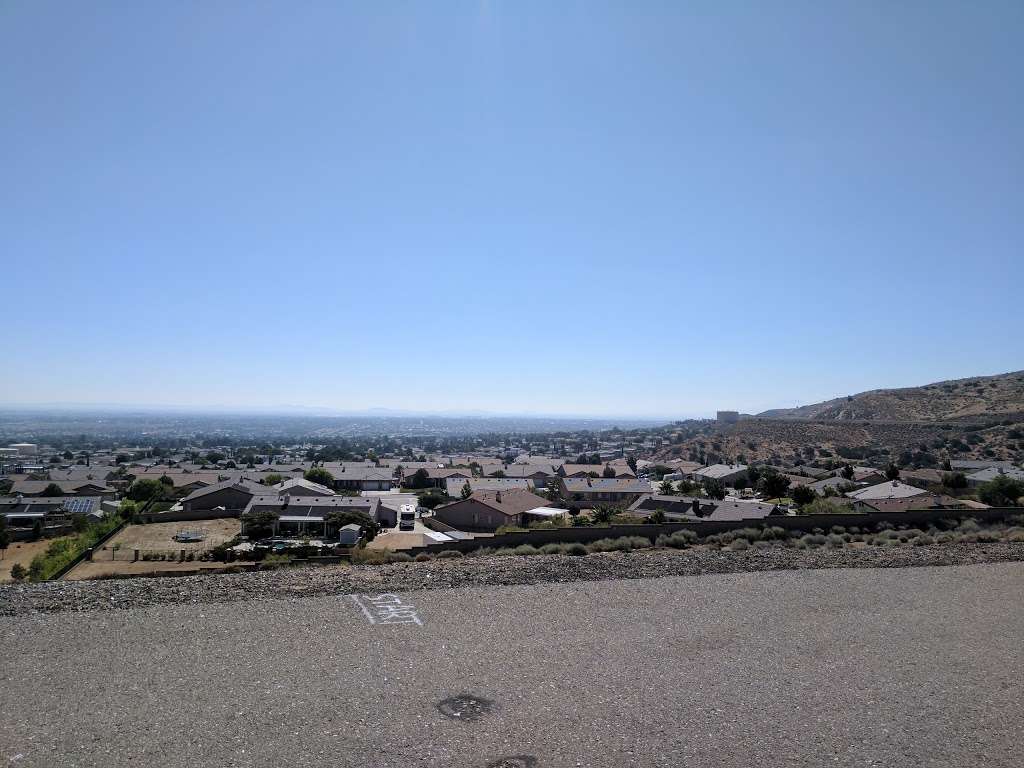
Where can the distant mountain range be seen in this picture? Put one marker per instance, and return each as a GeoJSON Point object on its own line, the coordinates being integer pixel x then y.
{"type": "Point", "coordinates": [956, 400]}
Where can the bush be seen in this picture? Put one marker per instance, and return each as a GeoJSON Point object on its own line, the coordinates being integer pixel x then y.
{"type": "Point", "coordinates": [510, 529]}
{"type": "Point", "coordinates": [834, 541]}
{"type": "Point", "coordinates": [774, 533]}
{"type": "Point", "coordinates": [811, 541]}
{"type": "Point", "coordinates": [18, 572]}
{"type": "Point", "coordinates": [678, 540]}
{"type": "Point", "coordinates": [739, 545]}
{"type": "Point", "coordinates": [446, 554]}
{"type": "Point", "coordinates": [423, 557]}
{"type": "Point", "coordinates": [621, 544]}
{"type": "Point", "coordinates": [525, 549]}
{"type": "Point", "coordinates": [575, 549]}
{"type": "Point", "coordinates": [553, 549]}
{"type": "Point", "coordinates": [824, 506]}
{"type": "Point", "coordinates": [398, 557]}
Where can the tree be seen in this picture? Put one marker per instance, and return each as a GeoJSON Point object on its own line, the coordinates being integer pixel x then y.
{"type": "Point", "coordinates": [146, 489]}
{"type": "Point", "coordinates": [631, 463]}
{"type": "Point", "coordinates": [18, 572]}
{"type": "Point", "coordinates": [122, 458]}
{"type": "Point", "coordinates": [319, 475]}
{"type": "Point", "coordinates": [126, 510]}
{"type": "Point", "coordinates": [686, 486]}
{"type": "Point", "coordinates": [772, 484]}
{"type": "Point", "coordinates": [338, 519]}
{"type": "Point", "coordinates": [37, 530]}
{"type": "Point", "coordinates": [52, 490]}
{"type": "Point", "coordinates": [666, 488]}
{"type": "Point", "coordinates": [167, 482]}
{"type": "Point", "coordinates": [36, 569]}
{"type": "Point", "coordinates": [272, 478]}
{"type": "Point", "coordinates": [754, 474]}
{"type": "Point", "coordinates": [1001, 491]}
{"type": "Point", "coordinates": [419, 479]}
{"type": "Point", "coordinates": [713, 488]}
{"type": "Point", "coordinates": [499, 473]}
{"type": "Point", "coordinates": [259, 523]}
{"type": "Point", "coordinates": [657, 517]}
{"type": "Point", "coordinates": [954, 480]}
{"type": "Point", "coordinates": [603, 513]}
{"type": "Point", "coordinates": [79, 523]}
{"type": "Point", "coordinates": [803, 495]}
{"type": "Point", "coordinates": [892, 472]}
{"type": "Point", "coordinates": [214, 457]}
{"type": "Point", "coordinates": [432, 498]}
{"type": "Point", "coordinates": [608, 471]}
{"type": "Point", "coordinates": [467, 490]}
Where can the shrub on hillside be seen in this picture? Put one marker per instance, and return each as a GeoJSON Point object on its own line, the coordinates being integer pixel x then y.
{"type": "Point", "coordinates": [525, 549]}
{"type": "Point", "coordinates": [678, 540]}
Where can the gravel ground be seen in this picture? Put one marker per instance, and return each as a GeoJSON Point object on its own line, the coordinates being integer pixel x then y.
{"type": "Point", "coordinates": [476, 571]}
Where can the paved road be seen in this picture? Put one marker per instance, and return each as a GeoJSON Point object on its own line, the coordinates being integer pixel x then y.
{"type": "Point", "coordinates": [888, 667]}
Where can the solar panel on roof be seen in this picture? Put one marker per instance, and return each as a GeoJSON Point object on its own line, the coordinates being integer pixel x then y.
{"type": "Point", "coordinates": [79, 506]}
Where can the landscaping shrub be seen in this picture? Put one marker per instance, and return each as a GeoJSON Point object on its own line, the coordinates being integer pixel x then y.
{"type": "Point", "coordinates": [448, 553]}
{"type": "Point", "coordinates": [738, 545]}
{"type": "Point", "coordinates": [369, 556]}
{"type": "Point", "coordinates": [575, 549]}
{"type": "Point", "coordinates": [18, 572]}
{"type": "Point", "coordinates": [834, 541]}
{"type": "Point", "coordinates": [678, 540]}
{"type": "Point", "coordinates": [423, 557]}
{"type": "Point", "coordinates": [399, 557]}
{"type": "Point", "coordinates": [621, 544]}
{"type": "Point", "coordinates": [811, 541]}
{"type": "Point", "coordinates": [526, 549]}
{"type": "Point", "coordinates": [553, 549]}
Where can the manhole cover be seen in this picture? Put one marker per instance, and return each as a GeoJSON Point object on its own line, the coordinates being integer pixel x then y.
{"type": "Point", "coordinates": [514, 761]}
{"type": "Point", "coordinates": [465, 707]}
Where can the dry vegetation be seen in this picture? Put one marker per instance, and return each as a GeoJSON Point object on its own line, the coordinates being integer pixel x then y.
{"type": "Point", "coordinates": [980, 397]}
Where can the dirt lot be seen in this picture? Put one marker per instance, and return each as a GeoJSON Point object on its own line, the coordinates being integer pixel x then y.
{"type": "Point", "coordinates": [155, 537]}
{"type": "Point", "coordinates": [99, 569]}
{"type": "Point", "coordinates": [21, 552]}
{"type": "Point", "coordinates": [159, 537]}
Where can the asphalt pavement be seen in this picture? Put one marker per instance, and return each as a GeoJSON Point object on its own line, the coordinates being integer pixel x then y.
{"type": "Point", "coordinates": [908, 667]}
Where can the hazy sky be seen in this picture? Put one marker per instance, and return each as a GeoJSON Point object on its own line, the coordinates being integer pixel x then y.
{"type": "Point", "coordinates": [607, 208]}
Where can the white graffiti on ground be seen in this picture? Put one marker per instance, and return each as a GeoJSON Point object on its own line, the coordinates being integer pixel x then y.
{"type": "Point", "coordinates": [387, 609]}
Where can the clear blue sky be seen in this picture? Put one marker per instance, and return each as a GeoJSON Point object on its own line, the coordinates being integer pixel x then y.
{"type": "Point", "coordinates": [605, 208]}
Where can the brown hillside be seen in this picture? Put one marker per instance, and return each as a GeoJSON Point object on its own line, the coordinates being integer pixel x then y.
{"type": "Point", "coordinates": [971, 399]}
